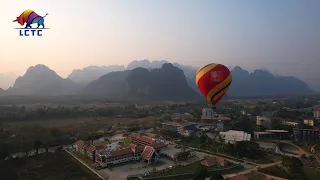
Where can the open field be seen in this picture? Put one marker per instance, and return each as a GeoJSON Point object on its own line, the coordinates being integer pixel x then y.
{"type": "Point", "coordinates": [312, 175]}
{"type": "Point", "coordinates": [22, 135]}
{"type": "Point", "coordinates": [87, 121]}
{"type": "Point", "coordinates": [261, 176]}
{"type": "Point", "coordinates": [54, 166]}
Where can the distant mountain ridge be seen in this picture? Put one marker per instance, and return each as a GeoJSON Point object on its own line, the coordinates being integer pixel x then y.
{"type": "Point", "coordinates": [151, 82]}
{"type": "Point", "coordinates": [262, 83]}
{"type": "Point", "coordinates": [90, 73]}
{"type": "Point", "coordinates": [165, 83]}
{"type": "Point", "coordinates": [40, 80]}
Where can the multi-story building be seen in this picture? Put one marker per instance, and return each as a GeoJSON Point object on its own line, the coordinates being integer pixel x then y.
{"type": "Point", "coordinates": [271, 135]}
{"type": "Point", "coordinates": [141, 139]}
{"type": "Point", "coordinates": [232, 136]}
{"type": "Point", "coordinates": [87, 149]}
{"type": "Point", "coordinates": [308, 122]}
{"type": "Point", "coordinates": [131, 153]}
{"type": "Point", "coordinates": [316, 113]}
{"type": "Point", "coordinates": [306, 134]}
{"type": "Point", "coordinates": [211, 118]}
{"type": "Point", "coordinates": [181, 128]}
{"type": "Point", "coordinates": [104, 156]}
{"type": "Point", "coordinates": [208, 112]}
{"type": "Point", "coordinates": [108, 158]}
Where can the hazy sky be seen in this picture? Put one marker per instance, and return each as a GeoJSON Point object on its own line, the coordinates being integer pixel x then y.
{"type": "Point", "coordinates": [280, 35]}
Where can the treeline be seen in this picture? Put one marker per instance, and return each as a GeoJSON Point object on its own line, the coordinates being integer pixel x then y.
{"type": "Point", "coordinates": [15, 113]}
{"type": "Point", "coordinates": [24, 113]}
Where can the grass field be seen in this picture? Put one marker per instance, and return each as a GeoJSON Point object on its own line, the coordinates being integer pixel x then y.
{"type": "Point", "coordinates": [54, 166]}
{"type": "Point", "coordinates": [255, 176]}
{"type": "Point", "coordinates": [64, 131]}
{"type": "Point", "coordinates": [275, 171]}
{"type": "Point", "coordinates": [78, 123]}
{"type": "Point", "coordinates": [312, 175]}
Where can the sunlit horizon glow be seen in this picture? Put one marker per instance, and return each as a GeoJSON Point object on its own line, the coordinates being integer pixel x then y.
{"type": "Point", "coordinates": [281, 36]}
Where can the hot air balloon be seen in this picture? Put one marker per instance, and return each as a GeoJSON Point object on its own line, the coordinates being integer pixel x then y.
{"type": "Point", "coordinates": [213, 81]}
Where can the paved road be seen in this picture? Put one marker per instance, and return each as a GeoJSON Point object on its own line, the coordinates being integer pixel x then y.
{"type": "Point", "coordinates": [121, 172]}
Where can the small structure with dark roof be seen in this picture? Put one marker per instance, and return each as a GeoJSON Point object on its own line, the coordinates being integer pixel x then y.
{"type": "Point", "coordinates": [211, 161]}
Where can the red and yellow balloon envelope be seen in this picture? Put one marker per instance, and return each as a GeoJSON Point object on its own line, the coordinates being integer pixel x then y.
{"type": "Point", "coordinates": [213, 81]}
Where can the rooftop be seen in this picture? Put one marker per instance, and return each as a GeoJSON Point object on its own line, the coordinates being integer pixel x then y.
{"type": "Point", "coordinates": [277, 131]}
{"type": "Point", "coordinates": [82, 144]}
{"type": "Point", "coordinates": [179, 124]}
{"type": "Point", "coordinates": [147, 152]}
{"type": "Point", "coordinates": [210, 161]}
{"type": "Point", "coordinates": [314, 129]}
{"type": "Point", "coordinates": [262, 132]}
{"type": "Point", "coordinates": [141, 137]}
{"type": "Point", "coordinates": [122, 152]}
{"type": "Point", "coordinates": [224, 118]}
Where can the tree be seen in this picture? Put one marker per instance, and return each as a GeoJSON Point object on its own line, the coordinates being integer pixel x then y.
{"type": "Point", "coordinates": [3, 153]}
{"type": "Point", "coordinates": [46, 145]}
{"type": "Point", "coordinates": [203, 138]}
{"type": "Point", "coordinates": [292, 163]}
{"type": "Point", "coordinates": [294, 166]}
{"type": "Point", "coordinates": [37, 144]}
{"type": "Point", "coordinates": [248, 149]}
{"type": "Point", "coordinates": [181, 156]}
{"type": "Point", "coordinates": [244, 124]}
{"type": "Point", "coordinates": [201, 173]}
{"type": "Point", "coordinates": [216, 177]}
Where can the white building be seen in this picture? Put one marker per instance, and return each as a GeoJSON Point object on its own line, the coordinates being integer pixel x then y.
{"type": "Point", "coordinates": [317, 113]}
{"type": "Point", "coordinates": [208, 112]}
{"type": "Point", "coordinates": [243, 112]}
{"type": "Point", "coordinates": [232, 136]}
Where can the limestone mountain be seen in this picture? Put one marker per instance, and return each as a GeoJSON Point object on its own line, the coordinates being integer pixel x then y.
{"type": "Point", "coordinates": [262, 83]}
{"type": "Point", "coordinates": [189, 71]}
{"type": "Point", "coordinates": [40, 80]}
{"type": "Point", "coordinates": [165, 83]}
{"type": "Point", "coordinates": [91, 73]}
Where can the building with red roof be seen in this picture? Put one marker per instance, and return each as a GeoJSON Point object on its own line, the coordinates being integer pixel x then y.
{"type": "Point", "coordinates": [142, 148]}
{"type": "Point", "coordinates": [109, 158]}
{"type": "Point", "coordinates": [87, 149]}
{"type": "Point", "coordinates": [81, 146]}
{"type": "Point", "coordinates": [149, 154]}
{"type": "Point", "coordinates": [211, 161]}
{"type": "Point", "coordinates": [141, 139]}
{"type": "Point", "coordinates": [131, 153]}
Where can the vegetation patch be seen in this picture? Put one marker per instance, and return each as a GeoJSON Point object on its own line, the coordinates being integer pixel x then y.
{"type": "Point", "coordinates": [45, 166]}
